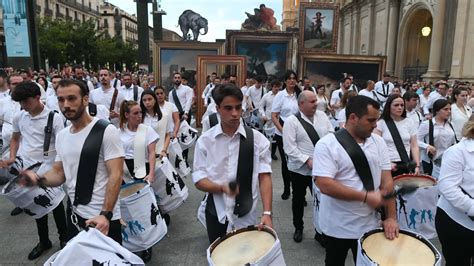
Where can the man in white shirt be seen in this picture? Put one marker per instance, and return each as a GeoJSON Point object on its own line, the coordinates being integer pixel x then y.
{"type": "Point", "coordinates": [299, 147]}
{"type": "Point", "coordinates": [207, 93]}
{"type": "Point", "coordinates": [27, 75]}
{"type": "Point", "coordinates": [182, 96]}
{"type": "Point", "coordinates": [105, 96]}
{"type": "Point", "coordinates": [4, 91]}
{"type": "Point", "coordinates": [266, 110]}
{"type": "Point", "coordinates": [347, 209]}
{"type": "Point", "coordinates": [255, 93]}
{"type": "Point", "coordinates": [216, 164]}
{"type": "Point", "coordinates": [440, 93]}
{"type": "Point", "coordinates": [115, 82]}
{"type": "Point", "coordinates": [307, 85]}
{"type": "Point", "coordinates": [383, 88]}
{"type": "Point", "coordinates": [411, 102]}
{"type": "Point", "coordinates": [248, 83]}
{"type": "Point", "coordinates": [336, 95]}
{"type": "Point", "coordinates": [27, 142]}
{"type": "Point", "coordinates": [78, 73]}
{"type": "Point", "coordinates": [129, 90]}
{"type": "Point", "coordinates": [95, 205]}
{"type": "Point", "coordinates": [369, 91]}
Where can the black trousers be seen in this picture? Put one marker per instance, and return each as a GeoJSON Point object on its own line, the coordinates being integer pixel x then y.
{"type": "Point", "coordinates": [427, 167]}
{"type": "Point", "coordinates": [214, 228]}
{"type": "Point", "coordinates": [456, 240]}
{"type": "Point", "coordinates": [336, 250]}
{"type": "Point", "coordinates": [60, 220]}
{"type": "Point", "coordinates": [284, 167]}
{"type": "Point", "coordinates": [299, 184]}
{"type": "Point", "coordinates": [274, 148]}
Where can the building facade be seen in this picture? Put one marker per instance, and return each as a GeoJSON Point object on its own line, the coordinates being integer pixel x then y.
{"type": "Point", "coordinates": [78, 10]}
{"type": "Point", "coordinates": [426, 39]}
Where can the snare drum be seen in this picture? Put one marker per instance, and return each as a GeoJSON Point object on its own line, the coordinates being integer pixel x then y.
{"type": "Point", "coordinates": [247, 246]}
{"type": "Point", "coordinates": [34, 201]}
{"type": "Point", "coordinates": [144, 226]}
{"type": "Point", "coordinates": [408, 249]}
{"type": "Point", "coordinates": [416, 211]}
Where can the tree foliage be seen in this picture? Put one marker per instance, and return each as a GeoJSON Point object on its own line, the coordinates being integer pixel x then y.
{"type": "Point", "coordinates": [67, 41]}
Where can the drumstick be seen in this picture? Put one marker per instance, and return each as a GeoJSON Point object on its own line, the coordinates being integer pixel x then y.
{"type": "Point", "coordinates": [398, 190]}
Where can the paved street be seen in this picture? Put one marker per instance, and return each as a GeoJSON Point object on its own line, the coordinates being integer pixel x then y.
{"type": "Point", "coordinates": [186, 242]}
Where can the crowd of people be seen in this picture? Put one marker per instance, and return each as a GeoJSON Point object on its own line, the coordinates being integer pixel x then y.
{"type": "Point", "coordinates": [345, 145]}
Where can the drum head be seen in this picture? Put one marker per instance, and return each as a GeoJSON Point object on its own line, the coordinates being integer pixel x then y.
{"type": "Point", "coordinates": [131, 188]}
{"type": "Point", "coordinates": [14, 183]}
{"type": "Point", "coordinates": [414, 180]}
{"type": "Point", "coordinates": [242, 246]}
{"type": "Point", "coordinates": [407, 249]}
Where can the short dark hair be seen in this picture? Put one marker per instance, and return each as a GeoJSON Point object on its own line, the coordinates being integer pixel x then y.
{"type": "Point", "coordinates": [56, 77]}
{"type": "Point", "coordinates": [438, 105]}
{"type": "Point", "coordinates": [260, 78]}
{"type": "Point", "coordinates": [346, 78]}
{"type": "Point", "coordinates": [25, 90]}
{"type": "Point", "coordinates": [225, 76]}
{"type": "Point", "coordinates": [410, 95]}
{"type": "Point", "coordinates": [386, 75]}
{"type": "Point", "coordinates": [70, 82]}
{"type": "Point", "coordinates": [358, 105]}
{"type": "Point", "coordinates": [386, 109]}
{"type": "Point", "coordinates": [275, 82]}
{"type": "Point", "coordinates": [3, 73]}
{"type": "Point", "coordinates": [225, 91]}
{"type": "Point", "coordinates": [76, 66]}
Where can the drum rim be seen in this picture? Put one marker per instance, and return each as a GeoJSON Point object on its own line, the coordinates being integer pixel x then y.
{"type": "Point", "coordinates": [238, 231]}
{"type": "Point", "coordinates": [403, 176]}
{"type": "Point", "coordinates": [417, 236]}
{"type": "Point", "coordinates": [15, 179]}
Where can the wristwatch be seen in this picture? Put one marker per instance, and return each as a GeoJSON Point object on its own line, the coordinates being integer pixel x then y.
{"type": "Point", "coordinates": [269, 213]}
{"type": "Point", "coordinates": [107, 214]}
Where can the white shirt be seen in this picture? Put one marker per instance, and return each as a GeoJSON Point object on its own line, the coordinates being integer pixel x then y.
{"type": "Point", "coordinates": [8, 109]}
{"type": "Point", "coordinates": [216, 156]}
{"type": "Point", "coordinates": [457, 171]}
{"type": "Point", "coordinates": [255, 95]}
{"type": "Point", "coordinates": [32, 136]}
{"type": "Point", "coordinates": [415, 117]}
{"type": "Point", "coordinates": [285, 105]}
{"type": "Point", "coordinates": [443, 138]}
{"type": "Point", "coordinates": [51, 92]}
{"type": "Point", "coordinates": [118, 84]}
{"type": "Point", "coordinates": [128, 138]}
{"type": "Point", "coordinates": [371, 94]}
{"type": "Point", "coordinates": [244, 90]}
{"type": "Point", "coordinates": [322, 103]}
{"type": "Point", "coordinates": [406, 131]}
{"type": "Point", "coordinates": [4, 94]}
{"type": "Point", "coordinates": [266, 103]}
{"type": "Point", "coordinates": [161, 127]}
{"type": "Point", "coordinates": [297, 143]}
{"type": "Point", "coordinates": [431, 100]}
{"type": "Point", "coordinates": [383, 90]}
{"type": "Point", "coordinates": [169, 108]}
{"type": "Point", "coordinates": [336, 98]}
{"type": "Point", "coordinates": [459, 118]}
{"type": "Point", "coordinates": [127, 93]}
{"type": "Point", "coordinates": [185, 96]}
{"type": "Point", "coordinates": [341, 218]}
{"type": "Point", "coordinates": [104, 97]}
{"type": "Point", "coordinates": [206, 123]}
{"type": "Point", "coordinates": [69, 155]}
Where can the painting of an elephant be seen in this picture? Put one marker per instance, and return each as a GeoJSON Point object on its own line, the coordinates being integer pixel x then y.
{"type": "Point", "coordinates": [191, 20]}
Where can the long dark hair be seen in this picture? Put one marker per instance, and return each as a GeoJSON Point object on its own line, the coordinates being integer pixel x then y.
{"type": "Point", "coordinates": [386, 109]}
{"type": "Point", "coordinates": [156, 106]}
{"type": "Point", "coordinates": [287, 76]}
{"type": "Point", "coordinates": [438, 105]}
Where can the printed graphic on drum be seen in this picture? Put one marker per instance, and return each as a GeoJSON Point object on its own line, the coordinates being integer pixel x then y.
{"type": "Point", "coordinates": [144, 226]}
{"type": "Point", "coordinates": [35, 201]}
{"type": "Point", "coordinates": [186, 135]}
{"type": "Point", "coordinates": [247, 246]}
{"type": "Point", "coordinates": [409, 248]}
{"type": "Point", "coordinates": [176, 158]}
{"type": "Point", "coordinates": [169, 187]}
{"type": "Point", "coordinates": [416, 211]}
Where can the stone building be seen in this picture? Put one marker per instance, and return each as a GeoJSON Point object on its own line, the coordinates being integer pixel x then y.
{"type": "Point", "coordinates": [421, 38]}
{"type": "Point", "coordinates": [78, 10]}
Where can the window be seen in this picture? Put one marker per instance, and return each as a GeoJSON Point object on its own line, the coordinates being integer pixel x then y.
{"type": "Point", "coordinates": [67, 12]}
{"type": "Point", "coordinates": [75, 15]}
{"type": "Point", "coordinates": [57, 10]}
{"type": "Point", "coordinates": [106, 23]}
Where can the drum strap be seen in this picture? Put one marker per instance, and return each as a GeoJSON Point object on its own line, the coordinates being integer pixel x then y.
{"type": "Point", "coordinates": [244, 201]}
{"type": "Point", "coordinates": [135, 93]}
{"type": "Point", "coordinates": [312, 134]}
{"type": "Point", "coordinates": [397, 140]}
{"type": "Point", "coordinates": [177, 102]}
{"type": "Point", "coordinates": [213, 120]}
{"type": "Point", "coordinates": [48, 132]}
{"type": "Point", "coordinates": [431, 132]}
{"type": "Point", "coordinates": [92, 109]}
{"type": "Point", "coordinates": [88, 163]}
{"type": "Point", "coordinates": [114, 100]}
{"type": "Point", "coordinates": [357, 156]}
{"type": "Point", "coordinates": [139, 147]}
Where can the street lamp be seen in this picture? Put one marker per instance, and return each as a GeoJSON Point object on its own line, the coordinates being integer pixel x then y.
{"type": "Point", "coordinates": [425, 31]}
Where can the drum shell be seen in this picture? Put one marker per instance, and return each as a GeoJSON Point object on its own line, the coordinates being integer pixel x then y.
{"type": "Point", "coordinates": [364, 260]}
{"type": "Point", "coordinates": [169, 187]}
{"type": "Point", "coordinates": [141, 207]}
{"type": "Point", "coordinates": [273, 256]}
{"type": "Point", "coordinates": [316, 202]}
{"type": "Point", "coordinates": [175, 155]}
{"type": "Point", "coordinates": [186, 135]}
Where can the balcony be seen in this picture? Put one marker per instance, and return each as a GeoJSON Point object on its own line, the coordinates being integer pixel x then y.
{"type": "Point", "coordinates": [130, 29]}
{"type": "Point", "coordinates": [48, 12]}
{"type": "Point", "coordinates": [79, 6]}
{"type": "Point", "coordinates": [59, 15]}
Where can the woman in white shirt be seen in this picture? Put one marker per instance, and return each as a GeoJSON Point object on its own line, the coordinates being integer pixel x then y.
{"type": "Point", "coordinates": [455, 214]}
{"type": "Point", "coordinates": [341, 116]}
{"type": "Point", "coordinates": [323, 102]}
{"type": "Point", "coordinates": [460, 112]}
{"type": "Point", "coordinates": [168, 108]}
{"type": "Point", "coordinates": [284, 105]}
{"type": "Point", "coordinates": [443, 137]}
{"type": "Point", "coordinates": [130, 119]}
{"type": "Point", "coordinates": [394, 113]}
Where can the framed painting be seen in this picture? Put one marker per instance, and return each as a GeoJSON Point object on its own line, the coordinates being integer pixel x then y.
{"type": "Point", "coordinates": [330, 69]}
{"type": "Point", "coordinates": [267, 53]}
{"type": "Point", "coordinates": [231, 64]}
{"type": "Point", "coordinates": [319, 24]}
{"type": "Point", "coordinates": [181, 57]}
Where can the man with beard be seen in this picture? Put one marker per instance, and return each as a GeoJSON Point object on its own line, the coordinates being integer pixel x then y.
{"type": "Point", "coordinates": [336, 96]}
{"type": "Point", "coordinates": [78, 74]}
{"type": "Point", "coordinates": [28, 138]}
{"type": "Point", "coordinates": [182, 96]}
{"type": "Point", "coordinates": [129, 90]}
{"type": "Point", "coordinates": [107, 96]}
{"type": "Point", "coordinates": [383, 88]}
{"type": "Point", "coordinates": [94, 200]}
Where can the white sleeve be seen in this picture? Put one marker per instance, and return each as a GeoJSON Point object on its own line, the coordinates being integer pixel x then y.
{"type": "Point", "coordinates": [189, 100]}
{"type": "Point", "coordinates": [323, 162]}
{"type": "Point", "coordinates": [265, 159]}
{"type": "Point", "coordinates": [111, 144]}
{"type": "Point", "coordinates": [200, 164]}
{"type": "Point", "coordinates": [276, 106]}
{"type": "Point", "coordinates": [423, 131]}
{"type": "Point", "coordinates": [151, 136]}
{"type": "Point", "coordinates": [289, 141]}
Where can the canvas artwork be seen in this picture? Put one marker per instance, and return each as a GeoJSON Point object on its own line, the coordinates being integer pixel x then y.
{"type": "Point", "coordinates": [263, 58]}
{"type": "Point", "coordinates": [319, 22]}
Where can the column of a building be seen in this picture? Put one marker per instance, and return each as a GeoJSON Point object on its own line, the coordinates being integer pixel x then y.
{"type": "Point", "coordinates": [393, 22]}
{"type": "Point", "coordinates": [434, 67]}
{"type": "Point", "coordinates": [371, 34]}
{"type": "Point", "coordinates": [461, 50]}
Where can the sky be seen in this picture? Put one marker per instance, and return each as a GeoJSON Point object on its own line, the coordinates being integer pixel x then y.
{"type": "Point", "coordinates": [221, 15]}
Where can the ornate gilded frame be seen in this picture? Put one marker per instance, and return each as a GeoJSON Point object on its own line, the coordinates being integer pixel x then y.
{"type": "Point", "coordinates": [220, 60]}
{"type": "Point", "coordinates": [304, 6]}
